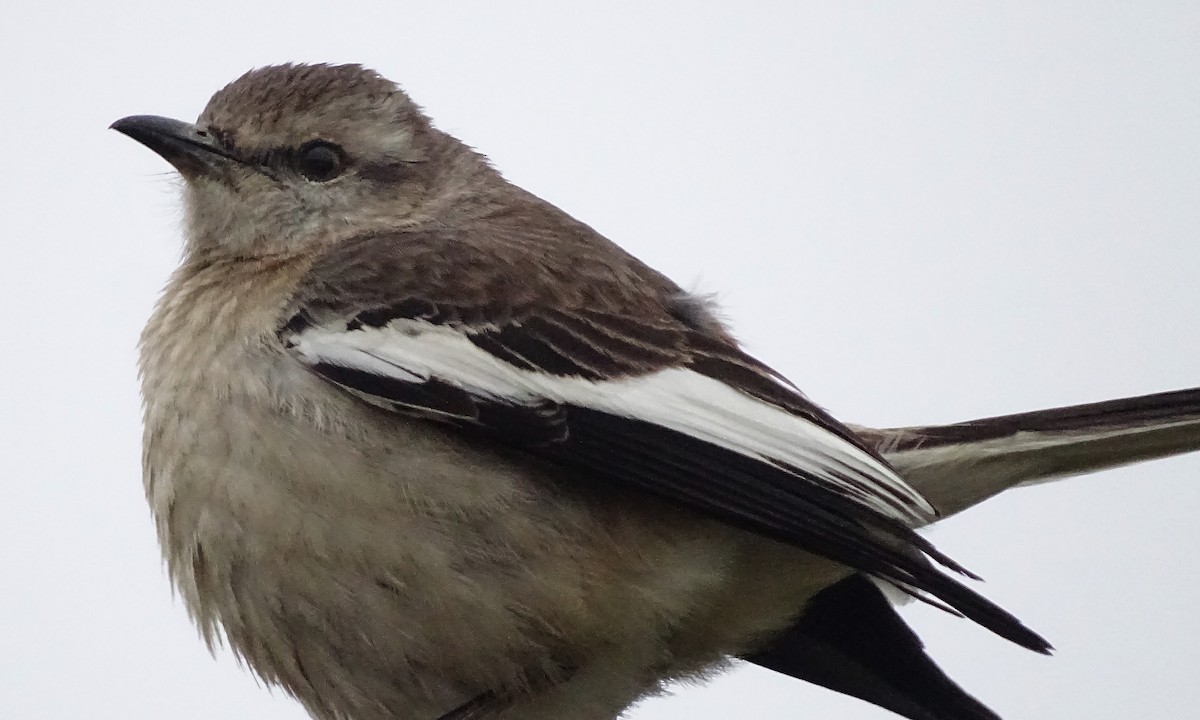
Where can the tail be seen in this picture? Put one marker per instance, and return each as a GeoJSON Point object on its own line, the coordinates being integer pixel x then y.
{"type": "Point", "coordinates": [849, 638]}
{"type": "Point", "coordinates": [957, 466]}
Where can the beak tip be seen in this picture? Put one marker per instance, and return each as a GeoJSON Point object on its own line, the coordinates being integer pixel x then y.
{"type": "Point", "coordinates": [133, 125]}
{"type": "Point", "coordinates": [175, 141]}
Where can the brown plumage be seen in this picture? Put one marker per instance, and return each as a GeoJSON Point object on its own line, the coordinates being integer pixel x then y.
{"type": "Point", "coordinates": [421, 445]}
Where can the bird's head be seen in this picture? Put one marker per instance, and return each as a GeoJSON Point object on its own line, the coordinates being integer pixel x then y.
{"type": "Point", "coordinates": [291, 157]}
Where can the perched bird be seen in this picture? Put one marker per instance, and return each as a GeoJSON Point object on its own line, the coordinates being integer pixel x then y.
{"type": "Point", "coordinates": [421, 445]}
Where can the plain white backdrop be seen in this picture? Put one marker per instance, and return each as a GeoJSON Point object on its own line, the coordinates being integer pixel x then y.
{"type": "Point", "coordinates": [920, 212]}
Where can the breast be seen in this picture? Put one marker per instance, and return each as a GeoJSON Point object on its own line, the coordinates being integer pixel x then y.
{"type": "Point", "coordinates": [347, 552]}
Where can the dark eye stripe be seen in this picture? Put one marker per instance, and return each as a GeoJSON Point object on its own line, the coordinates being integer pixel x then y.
{"type": "Point", "coordinates": [289, 158]}
{"type": "Point", "coordinates": [384, 172]}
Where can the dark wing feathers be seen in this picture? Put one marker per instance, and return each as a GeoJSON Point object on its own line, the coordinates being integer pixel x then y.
{"type": "Point", "coordinates": [770, 501]}
{"type": "Point", "coordinates": [606, 331]}
{"type": "Point", "coordinates": [432, 397]}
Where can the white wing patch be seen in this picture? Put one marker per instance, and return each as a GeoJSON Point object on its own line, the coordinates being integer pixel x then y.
{"type": "Point", "coordinates": [678, 399]}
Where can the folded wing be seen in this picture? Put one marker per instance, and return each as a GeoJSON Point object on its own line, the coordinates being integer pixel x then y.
{"type": "Point", "coordinates": [636, 399]}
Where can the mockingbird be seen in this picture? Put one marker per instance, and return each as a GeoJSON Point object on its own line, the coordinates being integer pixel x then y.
{"type": "Point", "coordinates": [421, 445]}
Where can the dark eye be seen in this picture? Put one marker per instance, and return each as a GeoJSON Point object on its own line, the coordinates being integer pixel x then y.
{"type": "Point", "coordinates": [320, 161]}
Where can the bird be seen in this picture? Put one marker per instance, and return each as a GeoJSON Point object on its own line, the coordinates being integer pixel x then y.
{"type": "Point", "coordinates": [420, 444]}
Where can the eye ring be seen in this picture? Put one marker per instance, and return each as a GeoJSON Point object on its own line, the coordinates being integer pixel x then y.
{"type": "Point", "coordinates": [320, 161]}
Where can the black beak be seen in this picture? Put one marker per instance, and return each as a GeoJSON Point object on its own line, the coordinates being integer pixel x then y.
{"type": "Point", "coordinates": [191, 150]}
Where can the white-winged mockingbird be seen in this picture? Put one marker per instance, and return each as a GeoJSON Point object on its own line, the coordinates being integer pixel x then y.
{"type": "Point", "coordinates": [422, 445]}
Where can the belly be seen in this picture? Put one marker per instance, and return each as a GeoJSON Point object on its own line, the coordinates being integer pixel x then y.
{"type": "Point", "coordinates": [414, 572]}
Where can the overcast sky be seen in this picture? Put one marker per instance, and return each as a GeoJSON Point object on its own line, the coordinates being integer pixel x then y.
{"type": "Point", "coordinates": [919, 212]}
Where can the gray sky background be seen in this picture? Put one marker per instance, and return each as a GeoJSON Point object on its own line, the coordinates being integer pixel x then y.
{"type": "Point", "coordinates": [918, 211]}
